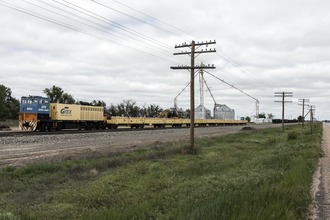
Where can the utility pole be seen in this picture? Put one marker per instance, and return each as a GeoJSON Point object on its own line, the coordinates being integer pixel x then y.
{"type": "Point", "coordinates": [283, 95]}
{"type": "Point", "coordinates": [311, 111]}
{"type": "Point", "coordinates": [193, 54]}
{"type": "Point", "coordinates": [201, 91]}
{"type": "Point", "coordinates": [303, 109]}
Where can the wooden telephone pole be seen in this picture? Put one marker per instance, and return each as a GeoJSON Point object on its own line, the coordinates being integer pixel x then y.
{"type": "Point", "coordinates": [283, 95]}
{"type": "Point", "coordinates": [193, 53]}
{"type": "Point", "coordinates": [303, 109]}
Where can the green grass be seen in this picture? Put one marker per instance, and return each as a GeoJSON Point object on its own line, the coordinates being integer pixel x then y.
{"type": "Point", "coordinates": [258, 174]}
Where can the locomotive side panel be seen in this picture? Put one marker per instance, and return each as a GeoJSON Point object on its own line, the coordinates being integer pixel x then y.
{"type": "Point", "coordinates": [91, 113]}
{"type": "Point", "coordinates": [64, 112]}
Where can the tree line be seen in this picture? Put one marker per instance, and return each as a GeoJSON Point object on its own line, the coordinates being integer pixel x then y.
{"type": "Point", "coordinates": [127, 108]}
{"type": "Point", "coordinates": [9, 106]}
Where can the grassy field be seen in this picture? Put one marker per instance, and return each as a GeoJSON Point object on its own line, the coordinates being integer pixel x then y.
{"type": "Point", "coordinates": [256, 174]}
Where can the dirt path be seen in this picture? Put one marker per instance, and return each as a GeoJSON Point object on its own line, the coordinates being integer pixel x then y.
{"type": "Point", "coordinates": [321, 183]}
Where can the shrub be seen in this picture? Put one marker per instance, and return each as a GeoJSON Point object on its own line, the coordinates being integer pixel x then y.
{"type": "Point", "coordinates": [293, 135]}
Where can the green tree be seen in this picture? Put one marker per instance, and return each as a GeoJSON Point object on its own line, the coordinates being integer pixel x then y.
{"type": "Point", "coordinates": [270, 115]}
{"type": "Point", "coordinates": [9, 106]}
{"type": "Point", "coordinates": [300, 118]}
{"type": "Point", "coordinates": [128, 108]}
{"type": "Point", "coordinates": [150, 111]}
{"type": "Point", "coordinates": [248, 118]}
{"type": "Point", "coordinates": [67, 98]}
{"type": "Point", "coordinates": [98, 103]}
{"type": "Point", "coordinates": [57, 95]}
{"type": "Point", "coordinates": [112, 110]}
{"type": "Point", "coordinates": [262, 115]}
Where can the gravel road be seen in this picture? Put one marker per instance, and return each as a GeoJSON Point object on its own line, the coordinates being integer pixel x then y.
{"type": "Point", "coordinates": [20, 150]}
{"type": "Point", "coordinates": [321, 183]}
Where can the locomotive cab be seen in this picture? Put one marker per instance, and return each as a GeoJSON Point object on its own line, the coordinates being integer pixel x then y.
{"type": "Point", "coordinates": [34, 113]}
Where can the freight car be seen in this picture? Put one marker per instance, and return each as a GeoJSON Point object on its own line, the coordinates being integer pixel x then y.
{"type": "Point", "coordinates": [114, 122]}
{"type": "Point", "coordinates": [37, 113]}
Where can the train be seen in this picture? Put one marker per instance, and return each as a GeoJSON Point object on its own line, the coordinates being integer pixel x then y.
{"type": "Point", "coordinates": [37, 113]}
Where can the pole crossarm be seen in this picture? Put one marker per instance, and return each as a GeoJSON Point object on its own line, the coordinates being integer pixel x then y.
{"type": "Point", "coordinates": [195, 67]}
{"type": "Point", "coordinates": [196, 52]}
{"type": "Point", "coordinates": [195, 43]}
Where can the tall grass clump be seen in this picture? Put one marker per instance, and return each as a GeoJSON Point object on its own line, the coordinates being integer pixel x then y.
{"type": "Point", "coordinates": [292, 135]}
{"type": "Point", "coordinates": [259, 174]}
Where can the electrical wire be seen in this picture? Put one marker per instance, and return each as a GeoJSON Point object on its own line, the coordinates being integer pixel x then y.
{"type": "Point", "coordinates": [70, 27]}
{"type": "Point", "coordinates": [149, 16]}
{"type": "Point", "coordinates": [239, 67]}
{"type": "Point", "coordinates": [93, 15]}
{"type": "Point", "coordinates": [135, 18]}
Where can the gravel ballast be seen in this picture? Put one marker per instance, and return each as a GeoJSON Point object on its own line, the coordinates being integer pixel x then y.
{"type": "Point", "coordinates": [20, 150]}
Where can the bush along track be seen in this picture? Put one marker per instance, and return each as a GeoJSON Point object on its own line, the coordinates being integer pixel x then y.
{"type": "Point", "coordinates": [255, 174]}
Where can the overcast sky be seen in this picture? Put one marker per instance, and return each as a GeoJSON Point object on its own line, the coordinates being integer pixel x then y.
{"type": "Point", "coordinates": [114, 50]}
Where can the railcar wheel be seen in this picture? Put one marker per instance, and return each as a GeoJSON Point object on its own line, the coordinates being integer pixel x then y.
{"type": "Point", "coordinates": [42, 127]}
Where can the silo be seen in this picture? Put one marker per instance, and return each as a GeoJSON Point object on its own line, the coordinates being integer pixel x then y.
{"type": "Point", "coordinates": [222, 111]}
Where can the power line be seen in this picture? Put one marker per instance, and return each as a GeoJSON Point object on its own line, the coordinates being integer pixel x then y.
{"type": "Point", "coordinates": [135, 18]}
{"type": "Point", "coordinates": [228, 58]}
{"type": "Point", "coordinates": [115, 24]}
{"type": "Point", "coordinates": [162, 22]}
{"type": "Point", "coordinates": [70, 27]}
{"type": "Point", "coordinates": [238, 66]}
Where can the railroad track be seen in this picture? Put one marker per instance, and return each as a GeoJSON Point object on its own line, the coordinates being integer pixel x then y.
{"type": "Point", "coordinates": [29, 133]}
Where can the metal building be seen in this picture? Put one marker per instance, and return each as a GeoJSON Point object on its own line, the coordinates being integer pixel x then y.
{"type": "Point", "coordinates": [202, 113]}
{"type": "Point", "coordinates": [223, 112]}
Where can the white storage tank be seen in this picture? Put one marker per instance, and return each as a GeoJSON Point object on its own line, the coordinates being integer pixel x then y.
{"type": "Point", "coordinates": [222, 111]}
{"type": "Point", "coordinates": [202, 113]}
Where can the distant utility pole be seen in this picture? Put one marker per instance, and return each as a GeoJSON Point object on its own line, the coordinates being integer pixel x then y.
{"type": "Point", "coordinates": [283, 95]}
{"type": "Point", "coordinates": [193, 54]}
{"type": "Point", "coordinates": [311, 111]}
{"type": "Point", "coordinates": [303, 109]}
